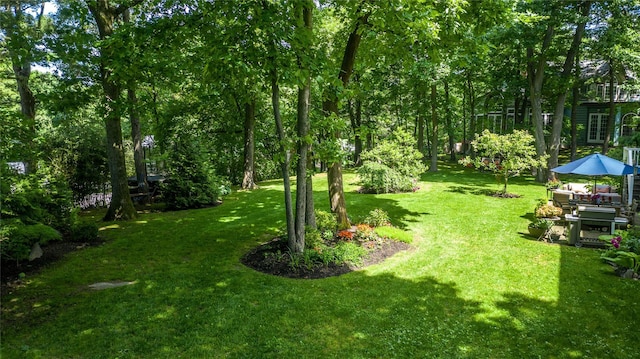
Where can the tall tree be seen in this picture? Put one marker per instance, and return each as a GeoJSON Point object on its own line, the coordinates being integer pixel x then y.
{"type": "Point", "coordinates": [435, 128]}
{"type": "Point", "coordinates": [105, 16]}
{"type": "Point", "coordinates": [248, 179]}
{"type": "Point", "coordinates": [565, 83]}
{"type": "Point", "coordinates": [136, 133]}
{"type": "Point", "coordinates": [304, 29]}
{"type": "Point", "coordinates": [330, 107]}
{"type": "Point", "coordinates": [536, 64]}
{"type": "Point", "coordinates": [21, 23]}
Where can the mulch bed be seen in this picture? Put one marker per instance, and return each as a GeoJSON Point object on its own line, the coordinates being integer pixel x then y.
{"type": "Point", "coordinates": [273, 258]}
{"type": "Point", "coordinates": [12, 272]}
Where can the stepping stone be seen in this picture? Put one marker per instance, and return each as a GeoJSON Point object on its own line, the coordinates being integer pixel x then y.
{"type": "Point", "coordinates": [108, 285]}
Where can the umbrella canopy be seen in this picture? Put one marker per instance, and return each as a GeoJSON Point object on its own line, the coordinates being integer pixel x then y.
{"type": "Point", "coordinates": [595, 165]}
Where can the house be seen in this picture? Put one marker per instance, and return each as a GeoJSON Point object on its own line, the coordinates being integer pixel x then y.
{"type": "Point", "coordinates": [592, 111]}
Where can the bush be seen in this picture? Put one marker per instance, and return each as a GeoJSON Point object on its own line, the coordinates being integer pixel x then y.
{"type": "Point", "coordinates": [191, 182]}
{"type": "Point", "coordinates": [365, 233]}
{"type": "Point", "coordinates": [17, 238]}
{"type": "Point", "coordinates": [393, 166]}
{"type": "Point", "coordinates": [379, 178]}
{"type": "Point", "coordinates": [377, 218]}
{"type": "Point", "coordinates": [38, 198]}
{"type": "Point", "coordinates": [545, 210]}
{"type": "Point", "coordinates": [349, 252]}
{"type": "Point", "coordinates": [84, 232]}
{"type": "Point", "coordinates": [326, 223]}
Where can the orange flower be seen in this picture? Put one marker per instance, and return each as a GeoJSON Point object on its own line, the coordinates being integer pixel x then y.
{"type": "Point", "coordinates": [345, 234]}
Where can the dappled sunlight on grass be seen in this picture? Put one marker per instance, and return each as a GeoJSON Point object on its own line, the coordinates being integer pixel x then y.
{"type": "Point", "coordinates": [111, 226]}
{"type": "Point", "coordinates": [471, 286]}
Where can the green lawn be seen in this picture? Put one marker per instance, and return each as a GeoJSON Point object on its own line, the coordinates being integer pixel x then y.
{"type": "Point", "coordinates": [473, 286]}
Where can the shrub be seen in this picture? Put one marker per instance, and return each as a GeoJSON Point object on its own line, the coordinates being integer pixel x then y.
{"type": "Point", "coordinates": [349, 252]}
{"type": "Point", "coordinates": [312, 238]}
{"type": "Point", "coordinates": [365, 233]}
{"type": "Point", "coordinates": [191, 182]}
{"type": "Point", "coordinates": [326, 223]}
{"type": "Point", "coordinates": [379, 178]}
{"type": "Point", "coordinates": [377, 218]}
{"type": "Point", "coordinates": [393, 166]}
{"type": "Point", "coordinates": [84, 231]}
{"type": "Point", "coordinates": [17, 238]}
{"type": "Point", "coordinates": [38, 198]}
{"type": "Point", "coordinates": [543, 209]}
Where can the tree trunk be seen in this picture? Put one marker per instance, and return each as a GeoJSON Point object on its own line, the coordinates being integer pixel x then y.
{"type": "Point", "coordinates": [304, 15]}
{"type": "Point", "coordinates": [535, 77]}
{"type": "Point", "coordinates": [558, 116]}
{"type": "Point", "coordinates": [21, 57]}
{"type": "Point", "coordinates": [420, 121]}
{"type": "Point", "coordinates": [355, 117]}
{"type": "Point", "coordinates": [136, 136]}
{"type": "Point", "coordinates": [310, 217]}
{"type": "Point", "coordinates": [330, 106]}
{"type": "Point", "coordinates": [434, 133]}
{"type": "Point", "coordinates": [28, 110]}
{"type": "Point", "coordinates": [612, 108]}
{"type": "Point", "coordinates": [450, 131]}
{"type": "Point", "coordinates": [248, 181]}
{"type": "Point", "coordinates": [574, 109]}
{"type": "Point", "coordinates": [284, 164]}
{"type": "Point", "coordinates": [121, 206]}
{"type": "Point", "coordinates": [301, 177]}
{"type": "Point", "coordinates": [472, 114]}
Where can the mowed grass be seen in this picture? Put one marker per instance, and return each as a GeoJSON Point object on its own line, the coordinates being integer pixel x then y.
{"type": "Point", "coordinates": [473, 286]}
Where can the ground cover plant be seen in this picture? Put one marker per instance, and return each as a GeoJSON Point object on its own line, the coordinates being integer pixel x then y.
{"type": "Point", "coordinates": [472, 285]}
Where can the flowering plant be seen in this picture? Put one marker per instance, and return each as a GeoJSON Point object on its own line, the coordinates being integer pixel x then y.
{"type": "Point", "coordinates": [365, 232]}
{"type": "Point", "coordinates": [548, 210]}
{"type": "Point", "coordinates": [345, 235]}
{"type": "Point", "coordinates": [624, 253]}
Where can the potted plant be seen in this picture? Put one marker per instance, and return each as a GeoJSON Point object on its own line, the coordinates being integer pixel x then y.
{"type": "Point", "coordinates": [553, 184]}
{"type": "Point", "coordinates": [539, 227]}
{"type": "Point", "coordinates": [546, 210]}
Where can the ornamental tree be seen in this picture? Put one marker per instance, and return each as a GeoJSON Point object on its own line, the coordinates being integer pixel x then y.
{"type": "Point", "coordinates": [505, 155]}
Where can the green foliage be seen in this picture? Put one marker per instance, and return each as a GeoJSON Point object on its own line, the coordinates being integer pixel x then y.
{"type": "Point", "coordinates": [77, 152]}
{"type": "Point", "coordinates": [37, 198]}
{"type": "Point", "coordinates": [365, 233]}
{"type": "Point", "coordinates": [623, 250]}
{"type": "Point", "coordinates": [84, 231]}
{"type": "Point", "coordinates": [17, 238]}
{"type": "Point", "coordinates": [349, 252]}
{"type": "Point", "coordinates": [191, 182]}
{"type": "Point", "coordinates": [394, 233]}
{"type": "Point", "coordinates": [326, 223]}
{"type": "Point", "coordinates": [541, 223]}
{"type": "Point", "coordinates": [377, 218]}
{"type": "Point", "coordinates": [505, 155]}
{"type": "Point", "coordinates": [544, 209]}
{"type": "Point", "coordinates": [392, 166]}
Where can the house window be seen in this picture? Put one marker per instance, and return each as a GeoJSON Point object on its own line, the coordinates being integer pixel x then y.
{"type": "Point", "coordinates": [597, 127]}
{"type": "Point", "coordinates": [495, 120]}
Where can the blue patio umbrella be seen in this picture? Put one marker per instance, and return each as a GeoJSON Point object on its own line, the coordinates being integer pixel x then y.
{"type": "Point", "coordinates": [595, 165]}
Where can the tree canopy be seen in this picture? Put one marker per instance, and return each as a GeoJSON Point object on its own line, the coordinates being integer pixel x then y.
{"type": "Point", "coordinates": [254, 88]}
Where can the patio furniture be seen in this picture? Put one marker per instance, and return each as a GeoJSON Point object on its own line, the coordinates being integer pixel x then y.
{"type": "Point", "coordinates": [602, 217]}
